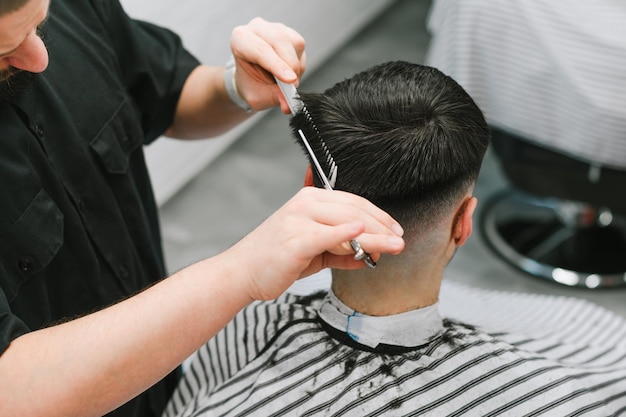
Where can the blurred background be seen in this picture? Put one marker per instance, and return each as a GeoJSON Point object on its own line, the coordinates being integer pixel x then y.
{"type": "Point", "coordinates": [211, 193]}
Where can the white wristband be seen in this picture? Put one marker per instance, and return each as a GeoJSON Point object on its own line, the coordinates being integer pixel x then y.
{"type": "Point", "coordinates": [231, 86]}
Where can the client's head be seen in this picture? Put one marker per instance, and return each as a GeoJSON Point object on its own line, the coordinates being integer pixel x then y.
{"type": "Point", "coordinates": [405, 136]}
{"type": "Point", "coordinates": [411, 140]}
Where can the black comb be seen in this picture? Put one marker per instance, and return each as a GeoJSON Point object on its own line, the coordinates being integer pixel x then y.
{"type": "Point", "coordinates": [331, 166]}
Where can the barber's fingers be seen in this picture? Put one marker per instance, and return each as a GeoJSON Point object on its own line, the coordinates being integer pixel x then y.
{"type": "Point", "coordinates": [325, 247]}
{"type": "Point", "coordinates": [264, 50]}
{"type": "Point", "coordinates": [341, 255]}
{"type": "Point", "coordinates": [335, 207]}
{"type": "Point", "coordinates": [274, 47]}
{"type": "Point", "coordinates": [380, 232]}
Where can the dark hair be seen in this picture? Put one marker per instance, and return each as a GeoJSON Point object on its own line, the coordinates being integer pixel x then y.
{"type": "Point", "coordinates": [8, 6]}
{"type": "Point", "coordinates": [405, 136]}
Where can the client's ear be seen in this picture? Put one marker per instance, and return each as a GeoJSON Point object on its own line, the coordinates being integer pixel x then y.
{"type": "Point", "coordinates": [462, 228]}
{"type": "Point", "coordinates": [308, 177]}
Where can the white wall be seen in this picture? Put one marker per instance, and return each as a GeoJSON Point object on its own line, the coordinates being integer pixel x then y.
{"type": "Point", "coordinates": [205, 27]}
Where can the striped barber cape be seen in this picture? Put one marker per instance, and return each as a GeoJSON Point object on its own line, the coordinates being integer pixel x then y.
{"type": "Point", "coordinates": [484, 353]}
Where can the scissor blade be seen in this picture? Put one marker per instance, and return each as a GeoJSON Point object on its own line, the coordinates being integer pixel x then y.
{"type": "Point", "coordinates": [316, 163]}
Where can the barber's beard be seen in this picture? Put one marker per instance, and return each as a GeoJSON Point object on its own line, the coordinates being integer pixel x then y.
{"type": "Point", "coordinates": [5, 74]}
{"type": "Point", "coordinates": [13, 83]}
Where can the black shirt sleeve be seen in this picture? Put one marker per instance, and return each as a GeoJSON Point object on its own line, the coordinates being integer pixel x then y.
{"type": "Point", "coordinates": [153, 65]}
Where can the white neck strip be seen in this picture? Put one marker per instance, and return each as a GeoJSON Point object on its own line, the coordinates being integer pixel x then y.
{"type": "Point", "coordinates": [410, 329]}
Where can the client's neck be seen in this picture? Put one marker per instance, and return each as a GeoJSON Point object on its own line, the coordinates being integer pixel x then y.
{"type": "Point", "coordinates": [397, 285]}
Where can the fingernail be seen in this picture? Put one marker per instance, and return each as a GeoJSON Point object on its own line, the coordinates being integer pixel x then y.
{"type": "Point", "coordinates": [397, 229]}
{"type": "Point", "coordinates": [289, 74]}
{"type": "Point", "coordinates": [396, 242]}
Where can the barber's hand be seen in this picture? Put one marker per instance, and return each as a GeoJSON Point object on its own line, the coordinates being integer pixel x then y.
{"type": "Point", "coordinates": [309, 233]}
{"type": "Point", "coordinates": [263, 50]}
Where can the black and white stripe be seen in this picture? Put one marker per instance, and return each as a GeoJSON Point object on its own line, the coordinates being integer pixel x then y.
{"type": "Point", "coordinates": [276, 358]}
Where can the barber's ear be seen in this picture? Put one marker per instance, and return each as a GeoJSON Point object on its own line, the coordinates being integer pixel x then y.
{"type": "Point", "coordinates": [308, 177]}
{"type": "Point", "coordinates": [462, 228]}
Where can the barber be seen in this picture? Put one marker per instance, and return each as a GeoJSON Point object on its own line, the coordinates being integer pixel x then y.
{"type": "Point", "coordinates": [87, 324]}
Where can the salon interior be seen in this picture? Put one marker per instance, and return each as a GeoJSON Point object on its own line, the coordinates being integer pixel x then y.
{"type": "Point", "coordinates": [211, 193]}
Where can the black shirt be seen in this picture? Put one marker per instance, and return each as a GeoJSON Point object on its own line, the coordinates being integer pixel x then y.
{"type": "Point", "coordinates": [78, 222]}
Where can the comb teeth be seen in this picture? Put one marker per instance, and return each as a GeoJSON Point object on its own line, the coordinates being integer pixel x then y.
{"type": "Point", "coordinates": [330, 162]}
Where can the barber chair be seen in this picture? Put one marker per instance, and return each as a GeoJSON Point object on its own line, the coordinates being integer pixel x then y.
{"type": "Point", "coordinates": [561, 219]}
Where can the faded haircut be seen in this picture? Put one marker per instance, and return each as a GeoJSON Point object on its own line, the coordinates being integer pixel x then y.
{"type": "Point", "coordinates": [404, 136]}
{"type": "Point", "coordinates": [8, 6]}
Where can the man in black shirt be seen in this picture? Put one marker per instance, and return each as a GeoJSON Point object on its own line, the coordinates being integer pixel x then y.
{"type": "Point", "coordinates": [78, 224]}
